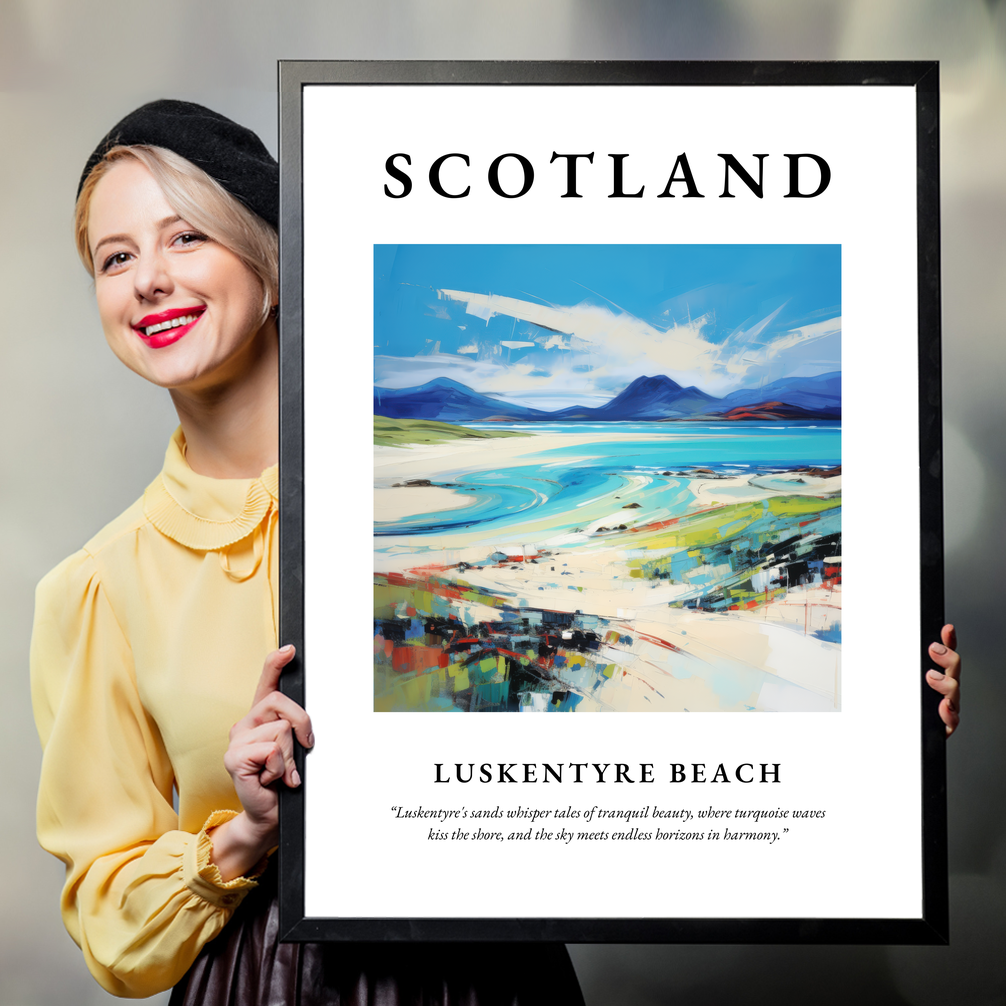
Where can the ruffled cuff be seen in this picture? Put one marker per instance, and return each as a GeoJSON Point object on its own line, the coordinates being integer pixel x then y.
{"type": "Point", "coordinates": [203, 878]}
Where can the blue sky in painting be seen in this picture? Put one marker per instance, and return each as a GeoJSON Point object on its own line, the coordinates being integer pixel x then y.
{"type": "Point", "coordinates": [555, 325]}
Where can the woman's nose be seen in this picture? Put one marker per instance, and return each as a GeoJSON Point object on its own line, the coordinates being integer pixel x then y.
{"type": "Point", "coordinates": [152, 277]}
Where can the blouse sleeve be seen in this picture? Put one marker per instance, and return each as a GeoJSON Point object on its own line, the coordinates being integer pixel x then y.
{"type": "Point", "coordinates": [141, 898]}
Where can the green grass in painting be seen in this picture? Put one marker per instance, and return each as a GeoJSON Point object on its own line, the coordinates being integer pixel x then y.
{"type": "Point", "coordinates": [719, 549]}
{"type": "Point", "coordinates": [402, 432]}
{"type": "Point", "coordinates": [776, 516]}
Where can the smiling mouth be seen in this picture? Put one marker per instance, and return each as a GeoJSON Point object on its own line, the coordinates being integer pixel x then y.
{"type": "Point", "coordinates": [167, 322]}
{"type": "Point", "coordinates": [167, 327]}
{"type": "Point", "coordinates": [185, 319]}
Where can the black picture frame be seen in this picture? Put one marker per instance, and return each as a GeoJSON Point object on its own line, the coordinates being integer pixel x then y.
{"type": "Point", "coordinates": [931, 927]}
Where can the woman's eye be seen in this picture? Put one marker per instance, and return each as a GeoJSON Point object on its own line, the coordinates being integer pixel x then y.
{"type": "Point", "coordinates": [190, 238]}
{"type": "Point", "coordinates": [114, 261]}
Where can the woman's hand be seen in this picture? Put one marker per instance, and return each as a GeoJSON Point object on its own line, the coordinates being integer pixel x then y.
{"type": "Point", "coordinates": [947, 682]}
{"type": "Point", "coordinates": [260, 753]}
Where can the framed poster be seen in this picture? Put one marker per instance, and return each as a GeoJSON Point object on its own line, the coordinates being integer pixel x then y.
{"type": "Point", "coordinates": [610, 407]}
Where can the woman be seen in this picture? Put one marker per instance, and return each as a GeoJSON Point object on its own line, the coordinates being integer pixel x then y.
{"type": "Point", "coordinates": [149, 642]}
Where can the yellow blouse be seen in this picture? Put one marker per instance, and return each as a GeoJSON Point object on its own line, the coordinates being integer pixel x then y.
{"type": "Point", "coordinates": [147, 647]}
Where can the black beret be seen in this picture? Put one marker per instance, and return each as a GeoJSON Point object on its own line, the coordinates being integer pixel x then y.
{"type": "Point", "coordinates": [230, 154]}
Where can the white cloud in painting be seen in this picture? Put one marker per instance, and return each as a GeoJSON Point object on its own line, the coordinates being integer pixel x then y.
{"type": "Point", "coordinates": [477, 310]}
{"type": "Point", "coordinates": [745, 349]}
{"type": "Point", "coordinates": [603, 350]}
{"type": "Point", "coordinates": [438, 311]}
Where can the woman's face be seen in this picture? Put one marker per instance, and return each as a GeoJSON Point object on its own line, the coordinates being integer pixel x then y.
{"type": "Point", "coordinates": [177, 308]}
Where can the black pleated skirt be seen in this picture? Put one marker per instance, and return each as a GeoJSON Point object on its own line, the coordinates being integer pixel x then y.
{"type": "Point", "coordinates": [246, 965]}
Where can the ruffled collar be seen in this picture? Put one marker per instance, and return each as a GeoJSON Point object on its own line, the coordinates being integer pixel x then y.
{"type": "Point", "coordinates": [203, 513]}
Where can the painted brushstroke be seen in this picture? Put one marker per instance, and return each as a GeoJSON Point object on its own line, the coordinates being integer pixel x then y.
{"type": "Point", "coordinates": [404, 432]}
{"type": "Point", "coordinates": [662, 545]}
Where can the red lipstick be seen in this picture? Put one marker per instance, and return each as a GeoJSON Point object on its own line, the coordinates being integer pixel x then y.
{"type": "Point", "coordinates": [165, 332]}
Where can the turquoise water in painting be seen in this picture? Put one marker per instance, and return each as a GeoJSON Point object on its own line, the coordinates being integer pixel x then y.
{"type": "Point", "coordinates": [647, 461]}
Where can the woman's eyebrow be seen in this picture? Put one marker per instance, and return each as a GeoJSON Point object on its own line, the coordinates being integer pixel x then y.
{"type": "Point", "coordinates": [109, 240]}
{"type": "Point", "coordinates": [160, 225]}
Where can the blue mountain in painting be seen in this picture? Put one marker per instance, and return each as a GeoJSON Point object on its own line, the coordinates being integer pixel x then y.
{"type": "Point", "coordinates": [821, 395]}
{"type": "Point", "coordinates": [449, 402]}
{"type": "Point", "coordinates": [646, 399]}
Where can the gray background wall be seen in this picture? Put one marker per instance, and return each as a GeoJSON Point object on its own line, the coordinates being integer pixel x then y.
{"type": "Point", "coordinates": [81, 437]}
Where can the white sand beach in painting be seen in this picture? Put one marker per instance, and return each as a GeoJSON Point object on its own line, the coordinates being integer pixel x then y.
{"type": "Point", "coordinates": [456, 457]}
{"type": "Point", "coordinates": [398, 502]}
{"type": "Point", "coordinates": [595, 568]}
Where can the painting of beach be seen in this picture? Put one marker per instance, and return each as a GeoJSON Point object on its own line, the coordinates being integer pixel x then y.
{"type": "Point", "coordinates": [607, 478]}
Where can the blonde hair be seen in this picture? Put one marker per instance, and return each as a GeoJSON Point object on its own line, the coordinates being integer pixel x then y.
{"type": "Point", "coordinates": [199, 200]}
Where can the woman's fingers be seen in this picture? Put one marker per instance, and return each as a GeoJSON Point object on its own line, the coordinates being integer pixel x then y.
{"type": "Point", "coordinates": [948, 658]}
{"type": "Point", "coordinates": [260, 761]}
{"type": "Point", "coordinates": [261, 749]}
{"type": "Point", "coordinates": [949, 688]}
{"type": "Point", "coordinates": [950, 716]}
{"type": "Point", "coordinates": [946, 681]}
{"type": "Point", "coordinates": [277, 706]}
{"type": "Point", "coordinates": [949, 636]}
{"type": "Point", "coordinates": [274, 766]}
{"type": "Point", "coordinates": [270, 703]}
{"type": "Point", "coordinates": [277, 735]}
{"type": "Point", "coordinates": [271, 670]}
{"type": "Point", "coordinates": [949, 710]}
{"type": "Point", "coordinates": [944, 684]}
